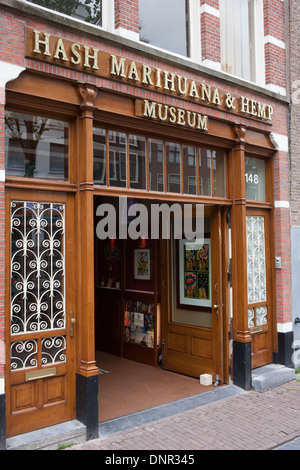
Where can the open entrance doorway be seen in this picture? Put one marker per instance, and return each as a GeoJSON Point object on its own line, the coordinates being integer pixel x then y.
{"type": "Point", "coordinates": [159, 313]}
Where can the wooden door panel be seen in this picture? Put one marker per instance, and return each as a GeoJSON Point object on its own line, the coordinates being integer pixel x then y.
{"type": "Point", "coordinates": [192, 349]}
{"type": "Point", "coordinates": [23, 398]}
{"type": "Point", "coordinates": [260, 303]}
{"type": "Point", "coordinates": [202, 347]}
{"type": "Point", "coordinates": [40, 365]}
{"type": "Point", "coordinates": [177, 342]}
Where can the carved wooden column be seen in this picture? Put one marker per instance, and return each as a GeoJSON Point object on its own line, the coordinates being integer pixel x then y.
{"type": "Point", "coordinates": [87, 378]}
{"type": "Point", "coordinates": [241, 335]}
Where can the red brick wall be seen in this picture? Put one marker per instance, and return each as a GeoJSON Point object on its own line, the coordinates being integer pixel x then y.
{"type": "Point", "coordinates": [275, 57]}
{"type": "Point", "coordinates": [294, 62]}
{"type": "Point", "coordinates": [127, 14]}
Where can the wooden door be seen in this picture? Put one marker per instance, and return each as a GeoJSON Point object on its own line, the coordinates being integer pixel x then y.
{"type": "Point", "coordinates": [40, 289]}
{"type": "Point", "coordinates": [260, 298]}
{"type": "Point", "coordinates": [192, 321]}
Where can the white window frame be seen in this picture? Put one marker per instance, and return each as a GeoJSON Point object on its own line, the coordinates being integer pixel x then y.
{"type": "Point", "coordinates": [108, 14]}
{"type": "Point", "coordinates": [259, 55]}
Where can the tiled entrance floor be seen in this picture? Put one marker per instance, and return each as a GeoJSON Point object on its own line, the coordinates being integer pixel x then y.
{"type": "Point", "coordinates": [126, 387]}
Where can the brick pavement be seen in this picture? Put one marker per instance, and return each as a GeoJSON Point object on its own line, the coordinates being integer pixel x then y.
{"type": "Point", "coordinates": [249, 421]}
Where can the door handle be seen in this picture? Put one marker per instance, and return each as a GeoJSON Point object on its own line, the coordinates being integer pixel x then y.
{"type": "Point", "coordinates": [216, 307]}
{"type": "Point", "coordinates": [72, 323]}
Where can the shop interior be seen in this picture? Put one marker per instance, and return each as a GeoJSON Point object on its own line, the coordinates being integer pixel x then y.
{"type": "Point", "coordinates": [128, 320]}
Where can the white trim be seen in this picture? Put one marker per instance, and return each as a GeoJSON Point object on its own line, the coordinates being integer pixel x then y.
{"type": "Point", "coordinates": [276, 89]}
{"type": "Point", "coordinates": [281, 204]}
{"type": "Point", "coordinates": [108, 15]}
{"type": "Point", "coordinates": [274, 41]}
{"type": "Point", "coordinates": [260, 64]}
{"type": "Point", "coordinates": [280, 142]}
{"type": "Point", "coordinates": [2, 176]}
{"type": "Point", "coordinates": [210, 10]}
{"type": "Point", "coordinates": [195, 31]}
{"type": "Point", "coordinates": [285, 327]}
{"type": "Point", "coordinates": [127, 34]}
{"type": "Point", "coordinates": [2, 385]}
{"type": "Point", "coordinates": [9, 72]}
{"type": "Point", "coordinates": [212, 64]}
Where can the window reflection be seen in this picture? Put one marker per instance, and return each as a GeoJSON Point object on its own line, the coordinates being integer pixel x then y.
{"type": "Point", "coordinates": [36, 146]}
{"type": "Point", "coordinates": [168, 166]}
{"type": "Point", "coordinates": [173, 167]}
{"type": "Point", "coordinates": [85, 10]}
{"type": "Point", "coordinates": [163, 24]}
{"type": "Point", "coordinates": [137, 162]}
{"type": "Point", "coordinates": [99, 150]}
{"type": "Point", "coordinates": [156, 165]}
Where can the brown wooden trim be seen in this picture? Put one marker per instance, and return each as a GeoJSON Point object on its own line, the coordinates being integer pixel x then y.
{"type": "Point", "coordinates": [114, 191]}
{"type": "Point", "coordinates": [39, 184]}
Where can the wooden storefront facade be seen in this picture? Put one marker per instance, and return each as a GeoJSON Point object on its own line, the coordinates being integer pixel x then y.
{"type": "Point", "coordinates": [122, 123]}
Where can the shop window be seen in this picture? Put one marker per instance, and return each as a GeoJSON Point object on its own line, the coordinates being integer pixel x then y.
{"type": "Point", "coordinates": [156, 165]}
{"type": "Point", "coordinates": [255, 179]}
{"type": "Point", "coordinates": [189, 163]}
{"type": "Point", "coordinates": [36, 146]}
{"type": "Point", "coordinates": [173, 167]}
{"type": "Point", "coordinates": [205, 185]}
{"type": "Point", "coordinates": [117, 159]}
{"type": "Point", "coordinates": [97, 12]}
{"type": "Point", "coordinates": [137, 162]}
{"type": "Point", "coordinates": [242, 34]}
{"type": "Point", "coordinates": [99, 149]}
{"type": "Point", "coordinates": [163, 24]}
{"type": "Point", "coordinates": [218, 159]}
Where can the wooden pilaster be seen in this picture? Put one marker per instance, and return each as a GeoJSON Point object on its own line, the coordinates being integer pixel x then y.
{"type": "Point", "coordinates": [87, 364]}
{"type": "Point", "coordinates": [241, 335]}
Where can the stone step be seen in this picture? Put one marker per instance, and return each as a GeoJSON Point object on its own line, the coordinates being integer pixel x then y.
{"type": "Point", "coordinates": [271, 376]}
{"type": "Point", "coordinates": [50, 438]}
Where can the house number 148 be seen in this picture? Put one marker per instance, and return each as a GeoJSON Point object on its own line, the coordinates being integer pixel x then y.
{"type": "Point", "coordinates": [251, 178]}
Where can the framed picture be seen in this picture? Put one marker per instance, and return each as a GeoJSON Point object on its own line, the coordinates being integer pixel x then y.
{"type": "Point", "coordinates": [195, 272]}
{"type": "Point", "coordinates": [142, 264]}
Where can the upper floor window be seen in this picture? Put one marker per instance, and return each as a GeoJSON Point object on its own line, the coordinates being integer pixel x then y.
{"type": "Point", "coordinates": [242, 39]}
{"type": "Point", "coordinates": [97, 12]}
{"type": "Point", "coordinates": [167, 24]}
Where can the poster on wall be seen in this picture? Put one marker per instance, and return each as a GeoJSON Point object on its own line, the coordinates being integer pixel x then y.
{"type": "Point", "coordinates": [139, 323]}
{"type": "Point", "coordinates": [195, 272]}
{"type": "Point", "coordinates": [142, 263]}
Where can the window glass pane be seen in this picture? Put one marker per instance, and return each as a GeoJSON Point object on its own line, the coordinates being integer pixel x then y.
{"type": "Point", "coordinates": [99, 149]}
{"type": "Point", "coordinates": [137, 162]}
{"type": "Point", "coordinates": [205, 186]}
{"type": "Point", "coordinates": [237, 38]}
{"type": "Point", "coordinates": [85, 10]}
{"type": "Point", "coordinates": [189, 169]}
{"type": "Point", "coordinates": [173, 162]}
{"type": "Point", "coordinates": [163, 24]}
{"type": "Point", "coordinates": [256, 260]}
{"type": "Point", "coordinates": [156, 165]}
{"type": "Point", "coordinates": [255, 179]}
{"type": "Point", "coordinates": [219, 173]}
{"type": "Point", "coordinates": [117, 159]}
{"type": "Point", "coordinates": [36, 146]}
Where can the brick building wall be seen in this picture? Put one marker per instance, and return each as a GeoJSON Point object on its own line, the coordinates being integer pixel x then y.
{"type": "Point", "coordinates": [294, 142]}
{"type": "Point", "coordinates": [12, 51]}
